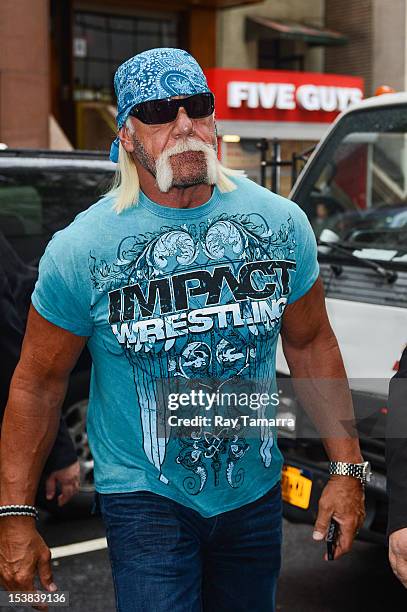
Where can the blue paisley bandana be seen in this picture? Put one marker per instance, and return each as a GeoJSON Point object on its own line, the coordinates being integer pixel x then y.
{"type": "Point", "coordinates": [152, 75]}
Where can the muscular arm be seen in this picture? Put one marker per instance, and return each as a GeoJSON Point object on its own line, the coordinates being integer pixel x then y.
{"type": "Point", "coordinates": [12, 325]}
{"type": "Point", "coordinates": [318, 373]}
{"type": "Point", "coordinates": [321, 385]}
{"type": "Point", "coordinates": [32, 413]}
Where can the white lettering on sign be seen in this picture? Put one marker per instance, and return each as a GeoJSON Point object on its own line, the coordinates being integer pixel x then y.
{"type": "Point", "coordinates": [267, 94]}
{"type": "Point", "coordinates": [242, 92]}
{"type": "Point", "coordinates": [264, 95]}
{"type": "Point", "coordinates": [307, 97]}
{"type": "Point", "coordinates": [320, 97]}
{"type": "Point", "coordinates": [284, 96]}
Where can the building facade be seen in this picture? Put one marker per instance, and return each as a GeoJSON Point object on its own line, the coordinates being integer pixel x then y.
{"type": "Point", "coordinates": [377, 48]}
{"type": "Point", "coordinates": [24, 73]}
{"type": "Point", "coordinates": [280, 42]}
{"type": "Point", "coordinates": [57, 59]}
{"type": "Point", "coordinates": [236, 51]}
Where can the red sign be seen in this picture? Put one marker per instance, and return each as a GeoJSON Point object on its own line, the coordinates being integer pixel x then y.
{"type": "Point", "coordinates": [278, 95]}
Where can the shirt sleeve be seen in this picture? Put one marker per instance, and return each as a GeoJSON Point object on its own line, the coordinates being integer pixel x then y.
{"type": "Point", "coordinates": [307, 266]}
{"type": "Point", "coordinates": [61, 294]}
{"type": "Point", "coordinates": [11, 336]}
{"type": "Point", "coordinates": [396, 448]}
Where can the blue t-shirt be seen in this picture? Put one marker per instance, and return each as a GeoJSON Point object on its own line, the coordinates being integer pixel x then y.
{"type": "Point", "coordinates": [185, 297]}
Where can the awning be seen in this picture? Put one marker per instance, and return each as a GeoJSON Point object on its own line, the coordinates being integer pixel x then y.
{"type": "Point", "coordinates": [217, 4]}
{"type": "Point", "coordinates": [265, 28]}
{"type": "Point", "coordinates": [226, 3]}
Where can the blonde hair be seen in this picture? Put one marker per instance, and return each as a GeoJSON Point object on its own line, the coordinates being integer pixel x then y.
{"type": "Point", "coordinates": [125, 187]}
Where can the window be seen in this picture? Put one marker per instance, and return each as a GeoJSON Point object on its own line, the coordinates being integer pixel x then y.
{"type": "Point", "coordinates": [102, 42]}
{"type": "Point", "coordinates": [280, 55]}
{"type": "Point", "coordinates": [35, 202]}
{"type": "Point", "coordinates": [357, 187]}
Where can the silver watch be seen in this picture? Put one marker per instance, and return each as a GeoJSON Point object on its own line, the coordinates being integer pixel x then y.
{"type": "Point", "coordinates": [361, 471]}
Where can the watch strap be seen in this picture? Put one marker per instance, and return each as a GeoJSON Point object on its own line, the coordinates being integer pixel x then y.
{"type": "Point", "coordinates": [341, 468]}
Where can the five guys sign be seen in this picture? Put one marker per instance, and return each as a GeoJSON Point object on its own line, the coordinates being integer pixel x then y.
{"type": "Point", "coordinates": [277, 95]}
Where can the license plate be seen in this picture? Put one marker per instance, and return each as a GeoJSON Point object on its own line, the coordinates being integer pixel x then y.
{"type": "Point", "coordinates": [296, 488]}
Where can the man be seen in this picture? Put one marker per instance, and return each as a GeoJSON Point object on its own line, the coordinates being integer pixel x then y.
{"type": "Point", "coordinates": [61, 471]}
{"type": "Point", "coordinates": [178, 278]}
{"type": "Point", "coordinates": [396, 465]}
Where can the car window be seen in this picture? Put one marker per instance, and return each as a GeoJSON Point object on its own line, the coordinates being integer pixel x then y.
{"type": "Point", "coordinates": [357, 186]}
{"type": "Point", "coordinates": [20, 210]}
{"type": "Point", "coordinates": [36, 202]}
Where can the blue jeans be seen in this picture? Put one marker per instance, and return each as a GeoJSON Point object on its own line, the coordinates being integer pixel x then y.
{"type": "Point", "coordinates": [166, 557]}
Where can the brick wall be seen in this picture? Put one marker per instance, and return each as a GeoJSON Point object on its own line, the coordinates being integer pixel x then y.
{"type": "Point", "coordinates": [355, 19]}
{"type": "Point", "coordinates": [24, 73]}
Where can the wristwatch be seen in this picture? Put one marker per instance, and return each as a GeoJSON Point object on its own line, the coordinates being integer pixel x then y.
{"type": "Point", "coordinates": [361, 471]}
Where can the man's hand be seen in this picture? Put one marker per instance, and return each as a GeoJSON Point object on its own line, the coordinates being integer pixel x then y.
{"type": "Point", "coordinates": [23, 554]}
{"type": "Point", "coordinates": [342, 499]}
{"type": "Point", "coordinates": [68, 479]}
{"type": "Point", "coordinates": [398, 554]}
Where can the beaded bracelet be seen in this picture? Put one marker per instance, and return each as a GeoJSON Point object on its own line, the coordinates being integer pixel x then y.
{"type": "Point", "coordinates": [19, 510]}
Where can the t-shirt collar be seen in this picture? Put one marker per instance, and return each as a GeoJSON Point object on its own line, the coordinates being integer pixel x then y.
{"type": "Point", "coordinates": [180, 213]}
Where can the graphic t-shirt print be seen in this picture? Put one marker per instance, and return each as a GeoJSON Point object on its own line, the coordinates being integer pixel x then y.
{"type": "Point", "coordinates": [200, 302]}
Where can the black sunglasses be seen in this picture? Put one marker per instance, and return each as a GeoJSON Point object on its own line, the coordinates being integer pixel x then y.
{"type": "Point", "coordinates": [154, 112]}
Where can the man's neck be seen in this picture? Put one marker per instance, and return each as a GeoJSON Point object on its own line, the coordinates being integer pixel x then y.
{"type": "Point", "coordinates": [176, 197]}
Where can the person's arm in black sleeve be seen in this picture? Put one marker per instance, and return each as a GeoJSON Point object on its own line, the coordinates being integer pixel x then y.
{"type": "Point", "coordinates": [396, 448]}
{"type": "Point", "coordinates": [61, 473]}
{"type": "Point", "coordinates": [396, 464]}
{"type": "Point", "coordinates": [63, 453]}
{"type": "Point", "coordinates": [10, 340]}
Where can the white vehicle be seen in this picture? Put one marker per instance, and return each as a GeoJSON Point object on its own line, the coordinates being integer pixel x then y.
{"type": "Point", "coordinates": [354, 191]}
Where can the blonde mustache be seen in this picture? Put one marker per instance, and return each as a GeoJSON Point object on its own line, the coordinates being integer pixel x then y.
{"type": "Point", "coordinates": [164, 171]}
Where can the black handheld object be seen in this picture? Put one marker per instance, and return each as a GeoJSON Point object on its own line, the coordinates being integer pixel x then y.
{"type": "Point", "coordinates": [331, 539]}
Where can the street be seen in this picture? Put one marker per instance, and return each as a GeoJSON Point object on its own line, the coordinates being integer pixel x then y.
{"type": "Point", "coordinates": [360, 582]}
